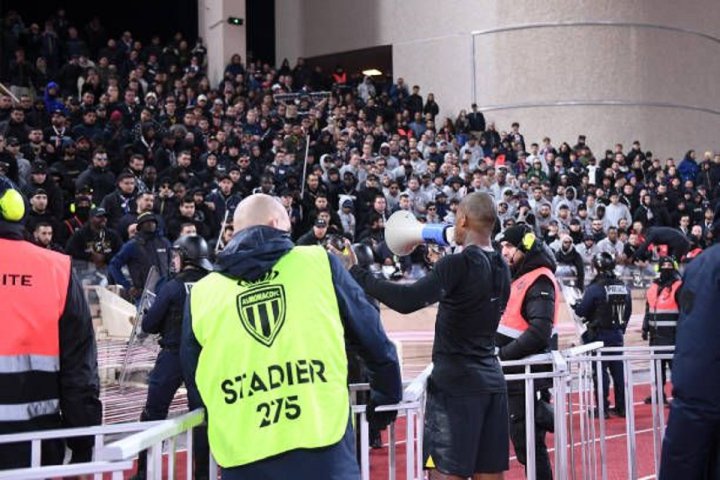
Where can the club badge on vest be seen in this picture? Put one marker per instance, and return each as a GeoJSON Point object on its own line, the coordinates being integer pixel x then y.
{"type": "Point", "coordinates": [262, 309]}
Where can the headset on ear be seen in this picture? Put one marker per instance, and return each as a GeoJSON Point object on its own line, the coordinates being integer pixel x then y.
{"type": "Point", "coordinates": [528, 240]}
{"type": "Point", "coordinates": [12, 205]}
{"type": "Point", "coordinates": [675, 263]}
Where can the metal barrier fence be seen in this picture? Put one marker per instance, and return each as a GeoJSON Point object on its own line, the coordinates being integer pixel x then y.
{"type": "Point", "coordinates": [580, 442]}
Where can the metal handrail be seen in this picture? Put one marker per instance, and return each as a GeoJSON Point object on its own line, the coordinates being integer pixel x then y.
{"type": "Point", "coordinates": [132, 445]}
{"type": "Point", "coordinates": [78, 432]}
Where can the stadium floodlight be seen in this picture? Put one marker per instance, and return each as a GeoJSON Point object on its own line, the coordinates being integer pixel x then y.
{"type": "Point", "coordinates": [372, 72]}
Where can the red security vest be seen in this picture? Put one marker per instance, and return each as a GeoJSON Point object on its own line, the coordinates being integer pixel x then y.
{"type": "Point", "coordinates": [513, 324]}
{"type": "Point", "coordinates": [33, 291]}
{"type": "Point", "coordinates": [665, 302]}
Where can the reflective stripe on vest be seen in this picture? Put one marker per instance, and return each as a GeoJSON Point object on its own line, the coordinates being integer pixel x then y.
{"type": "Point", "coordinates": [272, 372]}
{"type": "Point", "coordinates": [512, 324]}
{"type": "Point", "coordinates": [663, 323]}
{"type": "Point", "coordinates": [28, 363]}
{"type": "Point", "coordinates": [27, 411]}
{"type": "Point", "coordinates": [34, 283]}
{"type": "Point", "coordinates": [665, 302]}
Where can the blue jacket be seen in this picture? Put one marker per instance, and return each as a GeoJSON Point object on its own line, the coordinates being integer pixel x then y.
{"type": "Point", "coordinates": [696, 361]}
{"type": "Point", "coordinates": [688, 169]}
{"type": "Point", "coordinates": [53, 102]}
{"type": "Point", "coordinates": [250, 254]}
{"type": "Point", "coordinates": [139, 258]}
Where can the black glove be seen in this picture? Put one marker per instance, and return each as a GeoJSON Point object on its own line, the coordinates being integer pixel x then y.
{"type": "Point", "coordinates": [379, 420]}
{"type": "Point", "coordinates": [644, 335]}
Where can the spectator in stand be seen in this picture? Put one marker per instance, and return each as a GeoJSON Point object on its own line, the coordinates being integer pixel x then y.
{"type": "Point", "coordinates": [570, 262]}
{"type": "Point", "coordinates": [617, 210]}
{"type": "Point", "coordinates": [94, 242]}
{"type": "Point", "coordinates": [146, 250]}
{"type": "Point", "coordinates": [149, 108]}
{"type": "Point", "coordinates": [612, 244]}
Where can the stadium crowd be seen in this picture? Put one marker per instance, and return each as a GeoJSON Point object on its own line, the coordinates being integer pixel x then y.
{"type": "Point", "coordinates": [120, 145]}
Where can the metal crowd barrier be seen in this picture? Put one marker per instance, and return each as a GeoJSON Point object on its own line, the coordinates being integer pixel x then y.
{"type": "Point", "coordinates": [593, 451]}
{"type": "Point", "coordinates": [580, 448]}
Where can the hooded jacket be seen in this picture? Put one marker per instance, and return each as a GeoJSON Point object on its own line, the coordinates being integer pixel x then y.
{"type": "Point", "coordinates": [538, 309]}
{"type": "Point", "coordinates": [573, 258]}
{"type": "Point", "coordinates": [51, 101]}
{"type": "Point", "coordinates": [249, 255]}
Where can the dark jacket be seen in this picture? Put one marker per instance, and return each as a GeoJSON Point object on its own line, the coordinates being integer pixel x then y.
{"type": "Point", "coordinates": [600, 315]}
{"type": "Point", "coordinates": [85, 241]}
{"type": "Point", "coordinates": [249, 255]}
{"type": "Point", "coordinates": [472, 289]}
{"type": "Point", "coordinates": [166, 313]}
{"type": "Point", "coordinates": [695, 386]}
{"type": "Point", "coordinates": [140, 254]}
{"type": "Point", "coordinates": [76, 383]}
{"type": "Point", "coordinates": [672, 237]}
{"type": "Point", "coordinates": [101, 181]}
{"type": "Point", "coordinates": [116, 205]}
{"type": "Point", "coordinates": [574, 259]}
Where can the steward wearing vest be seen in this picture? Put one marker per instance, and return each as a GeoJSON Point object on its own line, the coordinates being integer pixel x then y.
{"type": "Point", "coordinates": [264, 348]}
{"type": "Point", "coordinates": [606, 307]}
{"type": "Point", "coordinates": [662, 310]}
{"type": "Point", "coordinates": [48, 357]}
{"type": "Point", "coordinates": [527, 328]}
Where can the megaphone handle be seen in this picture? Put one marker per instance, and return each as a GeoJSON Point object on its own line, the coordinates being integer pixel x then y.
{"type": "Point", "coordinates": [436, 234]}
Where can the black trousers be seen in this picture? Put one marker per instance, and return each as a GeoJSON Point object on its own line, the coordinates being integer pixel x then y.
{"type": "Point", "coordinates": [516, 409]}
{"type": "Point", "coordinates": [164, 381]}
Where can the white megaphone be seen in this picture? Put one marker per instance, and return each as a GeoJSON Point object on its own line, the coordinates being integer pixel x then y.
{"type": "Point", "coordinates": [403, 233]}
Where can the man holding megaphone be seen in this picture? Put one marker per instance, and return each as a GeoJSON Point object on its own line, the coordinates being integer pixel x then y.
{"type": "Point", "coordinates": [466, 427]}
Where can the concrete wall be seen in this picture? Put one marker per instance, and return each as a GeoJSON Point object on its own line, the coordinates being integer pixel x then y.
{"type": "Point", "coordinates": [649, 71]}
{"type": "Point", "coordinates": [222, 39]}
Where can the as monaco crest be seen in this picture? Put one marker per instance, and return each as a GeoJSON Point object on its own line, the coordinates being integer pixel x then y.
{"type": "Point", "coordinates": [262, 312]}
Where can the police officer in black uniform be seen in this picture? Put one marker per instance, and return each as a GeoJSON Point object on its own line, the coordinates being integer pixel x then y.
{"type": "Point", "coordinates": [606, 307]}
{"type": "Point", "coordinates": [165, 317]}
{"type": "Point", "coordinates": [662, 311]}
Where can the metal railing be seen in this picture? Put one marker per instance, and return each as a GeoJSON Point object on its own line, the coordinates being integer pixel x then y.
{"type": "Point", "coordinates": [102, 434]}
{"type": "Point", "coordinates": [580, 443]}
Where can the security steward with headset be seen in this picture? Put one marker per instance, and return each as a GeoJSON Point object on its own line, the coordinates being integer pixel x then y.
{"type": "Point", "coordinates": [606, 308]}
{"type": "Point", "coordinates": [190, 259]}
{"type": "Point", "coordinates": [662, 311]}
{"type": "Point", "coordinates": [263, 348]}
{"type": "Point", "coordinates": [466, 422]}
{"type": "Point", "coordinates": [527, 328]}
{"type": "Point", "coordinates": [48, 356]}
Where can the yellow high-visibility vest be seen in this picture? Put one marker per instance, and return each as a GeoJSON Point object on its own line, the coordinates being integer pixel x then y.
{"type": "Point", "coordinates": [272, 371]}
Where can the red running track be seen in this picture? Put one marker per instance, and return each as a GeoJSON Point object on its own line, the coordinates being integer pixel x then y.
{"type": "Point", "coordinates": [615, 436]}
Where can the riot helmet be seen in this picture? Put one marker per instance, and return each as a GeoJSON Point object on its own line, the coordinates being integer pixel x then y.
{"type": "Point", "coordinates": [603, 262]}
{"type": "Point", "coordinates": [193, 250]}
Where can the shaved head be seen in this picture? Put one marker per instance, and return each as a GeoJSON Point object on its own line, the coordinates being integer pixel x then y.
{"type": "Point", "coordinates": [480, 210]}
{"type": "Point", "coordinates": [261, 209]}
{"type": "Point", "coordinates": [476, 217]}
